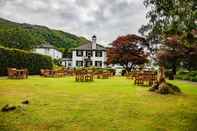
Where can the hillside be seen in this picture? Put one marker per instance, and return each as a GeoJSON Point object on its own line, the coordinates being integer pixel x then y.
{"type": "Point", "coordinates": [26, 36]}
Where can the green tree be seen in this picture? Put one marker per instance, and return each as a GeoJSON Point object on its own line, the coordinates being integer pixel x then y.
{"type": "Point", "coordinates": [170, 21]}
{"type": "Point", "coordinates": [26, 36]}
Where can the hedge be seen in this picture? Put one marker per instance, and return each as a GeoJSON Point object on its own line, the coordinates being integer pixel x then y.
{"type": "Point", "coordinates": [186, 75]}
{"type": "Point", "coordinates": [15, 58]}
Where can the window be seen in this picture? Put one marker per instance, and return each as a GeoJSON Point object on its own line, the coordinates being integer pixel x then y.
{"type": "Point", "coordinates": [98, 63]}
{"type": "Point", "coordinates": [79, 63]}
{"type": "Point", "coordinates": [88, 63]}
{"type": "Point", "coordinates": [88, 53]}
{"type": "Point", "coordinates": [98, 53]}
{"type": "Point", "coordinates": [69, 64]}
{"type": "Point", "coordinates": [79, 53]}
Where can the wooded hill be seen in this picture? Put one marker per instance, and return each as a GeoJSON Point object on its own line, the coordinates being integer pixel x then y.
{"type": "Point", "coordinates": [26, 36]}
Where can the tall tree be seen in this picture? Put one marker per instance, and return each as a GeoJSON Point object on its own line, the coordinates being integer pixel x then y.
{"type": "Point", "coordinates": [171, 22]}
{"type": "Point", "coordinates": [127, 51]}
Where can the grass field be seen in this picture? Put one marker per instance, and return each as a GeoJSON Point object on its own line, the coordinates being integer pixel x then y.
{"type": "Point", "coordinates": [103, 105]}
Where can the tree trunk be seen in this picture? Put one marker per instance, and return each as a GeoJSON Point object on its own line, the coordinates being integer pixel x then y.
{"type": "Point", "coordinates": [162, 86]}
{"type": "Point", "coordinates": [162, 74]}
{"type": "Point", "coordinates": [128, 69]}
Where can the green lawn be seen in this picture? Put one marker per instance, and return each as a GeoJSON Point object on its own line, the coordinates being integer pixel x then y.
{"type": "Point", "coordinates": [103, 105]}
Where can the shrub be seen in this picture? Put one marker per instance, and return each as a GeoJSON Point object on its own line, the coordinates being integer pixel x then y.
{"type": "Point", "coordinates": [169, 74]}
{"type": "Point", "coordinates": [57, 62]}
{"type": "Point", "coordinates": [14, 58]}
{"type": "Point", "coordinates": [186, 75]}
{"type": "Point", "coordinates": [193, 73]}
{"type": "Point", "coordinates": [194, 79]}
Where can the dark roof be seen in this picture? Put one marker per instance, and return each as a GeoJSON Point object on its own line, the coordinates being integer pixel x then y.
{"type": "Point", "coordinates": [47, 45]}
{"type": "Point", "coordinates": [88, 46]}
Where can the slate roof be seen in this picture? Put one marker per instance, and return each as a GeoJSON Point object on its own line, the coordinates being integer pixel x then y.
{"type": "Point", "coordinates": [48, 46]}
{"type": "Point", "coordinates": [88, 46]}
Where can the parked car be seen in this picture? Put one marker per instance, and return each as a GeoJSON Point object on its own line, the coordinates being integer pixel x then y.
{"type": "Point", "coordinates": [118, 70]}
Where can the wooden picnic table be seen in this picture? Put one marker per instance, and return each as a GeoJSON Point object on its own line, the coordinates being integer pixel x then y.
{"type": "Point", "coordinates": [84, 75]}
{"type": "Point", "coordinates": [21, 73]}
{"type": "Point", "coordinates": [145, 78]}
{"type": "Point", "coordinates": [14, 73]}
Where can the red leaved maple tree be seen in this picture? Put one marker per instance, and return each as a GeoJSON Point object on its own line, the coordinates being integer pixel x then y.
{"type": "Point", "coordinates": [127, 51]}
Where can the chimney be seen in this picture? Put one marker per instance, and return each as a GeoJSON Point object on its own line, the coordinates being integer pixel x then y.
{"type": "Point", "coordinates": [93, 42]}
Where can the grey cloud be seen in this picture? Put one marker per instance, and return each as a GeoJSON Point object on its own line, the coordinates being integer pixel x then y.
{"type": "Point", "coordinates": [106, 18]}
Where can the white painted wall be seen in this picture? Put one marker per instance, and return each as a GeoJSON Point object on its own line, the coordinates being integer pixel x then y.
{"type": "Point", "coordinates": [55, 54]}
{"type": "Point", "coordinates": [103, 58]}
{"type": "Point", "coordinates": [93, 58]}
{"type": "Point", "coordinates": [74, 58]}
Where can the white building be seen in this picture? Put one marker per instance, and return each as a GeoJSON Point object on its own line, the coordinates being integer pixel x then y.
{"type": "Point", "coordinates": [49, 50]}
{"type": "Point", "coordinates": [90, 54]}
{"type": "Point", "coordinates": [67, 62]}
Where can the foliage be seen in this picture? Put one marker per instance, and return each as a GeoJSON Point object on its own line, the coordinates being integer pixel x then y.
{"type": "Point", "coordinates": [172, 27]}
{"type": "Point", "coordinates": [127, 50]}
{"type": "Point", "coordinates": [190, 57]}
{"type": "Point", "coordinates": [57, 62]}
{"type": "Point", "coordinates": [187, 75]}
{"type": "Point", "coordinates": [169, 17]}
{"type": "Point", "coordinates": [175, 55]}
{"type": "Point", "coordinates": [25, 36]}
{"type": "Point", "coordinates": [15, 58]}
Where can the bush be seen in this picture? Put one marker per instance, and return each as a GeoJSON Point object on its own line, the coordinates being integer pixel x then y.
{"type": "Point", "coordinates": [194, 79]}
{"type": "Point", "coordinates": [14, 58]}
{"type": "Point", "coordinates": [57, 62]}
{"type": "Point", "coordinates": [169, 74]}
{"type": "Point", "coordinates": [186, 75]}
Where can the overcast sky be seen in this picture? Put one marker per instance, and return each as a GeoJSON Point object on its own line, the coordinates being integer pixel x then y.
{"type": "Point", "coordinates": [107, 19]}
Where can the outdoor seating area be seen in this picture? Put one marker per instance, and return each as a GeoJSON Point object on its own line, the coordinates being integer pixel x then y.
{"type": "Point", "coordinates": [140, 78]}
{"type": "Point", "coordinates": [81, 75]}
{"type": "Point", "coordinates": [14, 73]}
